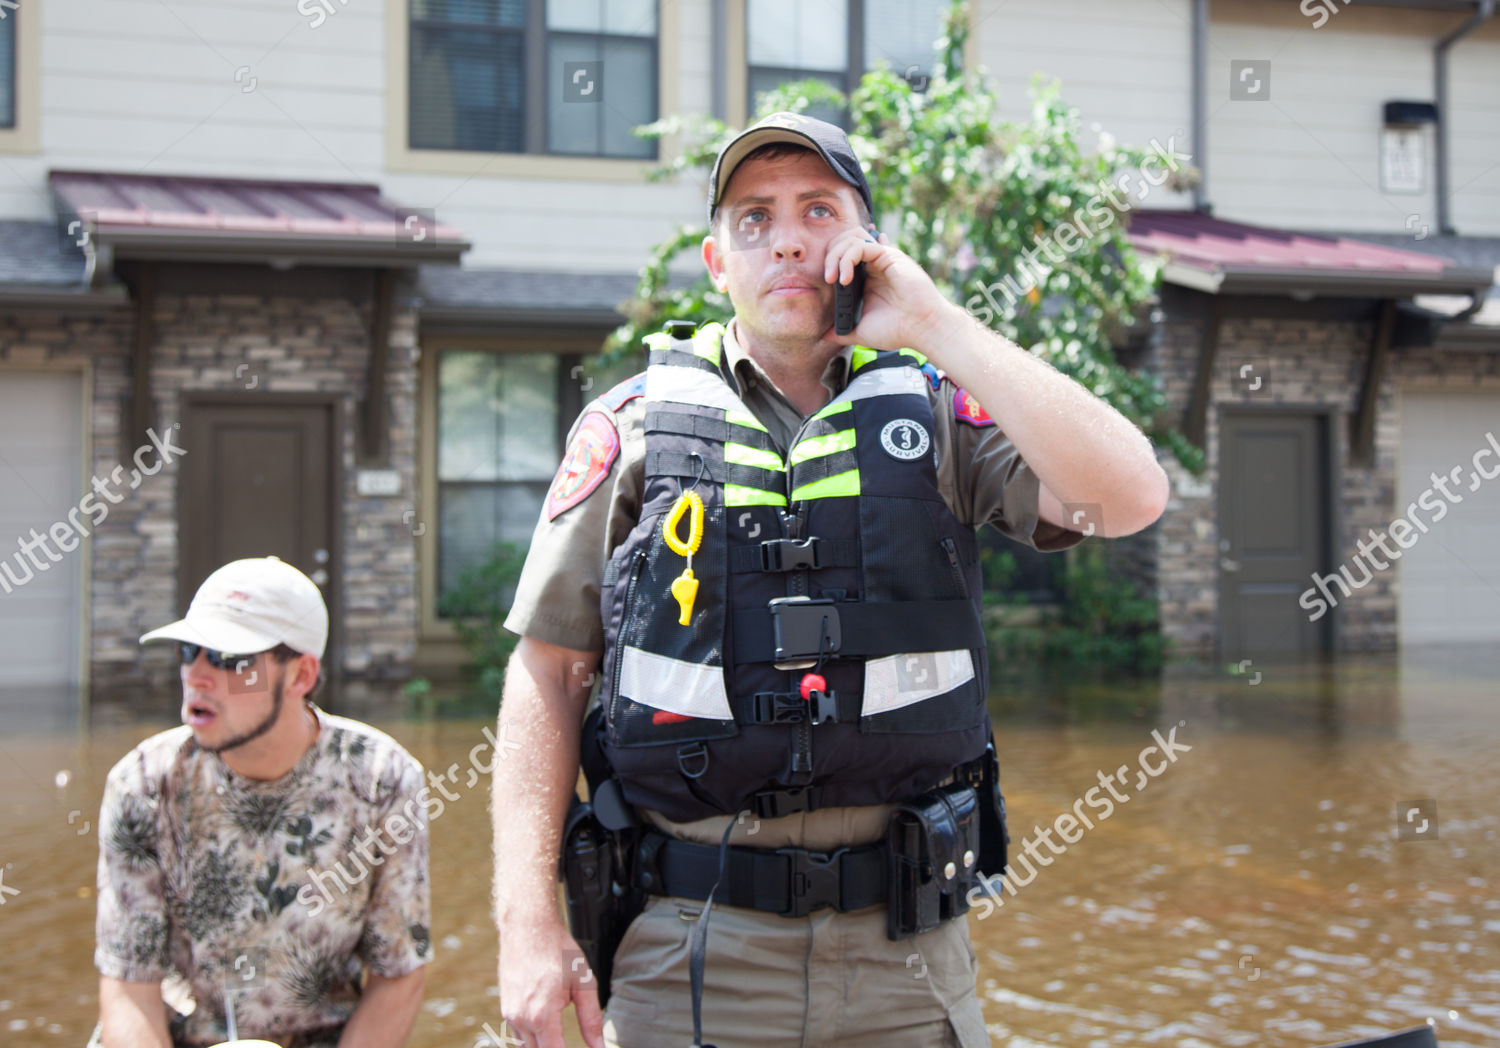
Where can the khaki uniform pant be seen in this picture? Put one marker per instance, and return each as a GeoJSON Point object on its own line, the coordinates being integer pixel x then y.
{"type": "Point", "coordinates": [827, 979]}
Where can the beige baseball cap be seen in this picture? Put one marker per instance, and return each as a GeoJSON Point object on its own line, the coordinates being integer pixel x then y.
{"type": "Point", "coordinates": [249, 606]}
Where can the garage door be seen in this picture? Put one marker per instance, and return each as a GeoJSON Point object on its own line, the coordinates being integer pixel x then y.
{"type": "Point", "coordinates": [41, 468]}
{"type": "Point", "coordinates": [1450, 577]}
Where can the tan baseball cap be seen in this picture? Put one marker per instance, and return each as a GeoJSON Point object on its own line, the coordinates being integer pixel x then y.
{"type": "Point", "coordinates": [249, 606]}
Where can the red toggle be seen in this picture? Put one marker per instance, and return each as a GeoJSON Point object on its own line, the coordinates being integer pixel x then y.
{"type": "Point", "coordinates": [663, 717]}
{"type": "Point", "coordinates": [811, 683]}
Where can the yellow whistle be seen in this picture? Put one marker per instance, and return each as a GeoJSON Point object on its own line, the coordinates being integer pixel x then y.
{"type": "Point", "coordinates": [685, 589]}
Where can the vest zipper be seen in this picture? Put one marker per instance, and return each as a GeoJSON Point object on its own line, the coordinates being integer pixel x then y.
{"type": "Point", "coordinates": [637, 560]}
{"type": "Point", "coordinates": [951, 548]}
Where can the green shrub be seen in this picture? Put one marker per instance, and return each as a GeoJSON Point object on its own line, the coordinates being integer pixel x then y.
{"type": "Point", "coordinates": [477, 605]}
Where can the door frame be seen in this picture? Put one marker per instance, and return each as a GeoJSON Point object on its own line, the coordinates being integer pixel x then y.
{"type": "Point", "coordinates": [84, 368]}
{"type": "Point", "coordinates": [333, 654]}
{"type": "Point", "coordinates": [1327, 416]}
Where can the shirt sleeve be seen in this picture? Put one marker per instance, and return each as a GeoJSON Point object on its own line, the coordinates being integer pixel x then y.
{"type": "Point", "coordinates": [557, 598]}
{"type": "Point", "coordinates": [130, 929]}
{"type": "Point", "coordinates": [986, 481]}
{"type": "Point", "coordinates": [397, 935]}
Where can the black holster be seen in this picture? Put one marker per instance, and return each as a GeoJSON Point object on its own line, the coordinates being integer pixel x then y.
{"type": "Point", "coordinates": [994, 835]}
{"type": "Point", "coordinates": [598, 847]}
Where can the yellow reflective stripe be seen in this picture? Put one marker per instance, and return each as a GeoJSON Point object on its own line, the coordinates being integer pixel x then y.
{"type": "Point", "coordinates": [744, 455]}
{"type": "Point", "coordinates": [658, 340]}
{"type": "Point", "coordinates": [817, 447]}
{"type": "Point", "coordinates": [838, 485]}
{"type": "Point", "coordinates": [863, 356]}
{"type": "Point", "coordinates": [835, 408]}
{"type": "Point", "coordinates": [706, 342]}
{"type": "Point", "coordinates": [739, 495]}
{"type": "Point", "coordinates": [744, 418]}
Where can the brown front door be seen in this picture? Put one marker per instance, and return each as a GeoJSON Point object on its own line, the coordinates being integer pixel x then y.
{"type": "Point", "coordinates": [1273, 532]}
{"type": "Point", "coordinates": [258, 480]}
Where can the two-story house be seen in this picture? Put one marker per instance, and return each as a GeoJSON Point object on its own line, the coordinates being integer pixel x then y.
{"type": "Point", "coordinates": [320, 278]}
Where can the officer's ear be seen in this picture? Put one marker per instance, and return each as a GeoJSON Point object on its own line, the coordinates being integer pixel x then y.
{"type": "Point", "coordinates": [714, 261]}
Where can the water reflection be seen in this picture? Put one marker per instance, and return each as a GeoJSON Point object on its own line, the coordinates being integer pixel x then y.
{"type": "Point", "coordinates": [1274, 885]}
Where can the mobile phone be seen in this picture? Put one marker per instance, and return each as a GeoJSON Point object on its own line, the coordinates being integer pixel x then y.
{"type": "Point", "coordinates": [849, 302]}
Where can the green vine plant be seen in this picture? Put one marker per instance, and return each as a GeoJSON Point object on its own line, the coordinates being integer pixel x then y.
{"type": "Point", "coordinates": [1012, 220]}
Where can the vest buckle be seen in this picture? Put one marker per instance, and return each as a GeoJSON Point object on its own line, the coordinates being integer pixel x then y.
{"type": "Point", "coordinates": [788, 554]}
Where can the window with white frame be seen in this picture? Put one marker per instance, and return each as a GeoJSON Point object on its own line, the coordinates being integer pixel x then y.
{"type": "Point", "coordinates": [498, 445]}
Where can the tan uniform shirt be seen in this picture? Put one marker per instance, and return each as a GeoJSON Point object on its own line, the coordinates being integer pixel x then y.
{"type": "Point", "coordinates": [981, 477]}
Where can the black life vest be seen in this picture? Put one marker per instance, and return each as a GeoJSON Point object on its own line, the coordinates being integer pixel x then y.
{"type": "Point", "coordinates": [841, 562]}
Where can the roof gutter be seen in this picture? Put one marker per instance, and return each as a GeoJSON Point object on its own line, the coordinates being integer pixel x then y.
{"type": "Point", "coordinates": [277, 249]}
{"type": "Point", "coordinates": [1302, 282]}
{"type": "Point", "coordinates": [1440, 73]}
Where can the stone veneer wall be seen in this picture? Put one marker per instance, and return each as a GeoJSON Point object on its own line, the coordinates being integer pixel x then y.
{"type": "Point", "coordinates": [1307, 363]}
{"type": "Point", "coordinates": [221, 342]}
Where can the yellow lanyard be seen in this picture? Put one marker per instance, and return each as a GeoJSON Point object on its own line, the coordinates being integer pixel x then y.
{"type": "Point", "coordinates": [685, 587]}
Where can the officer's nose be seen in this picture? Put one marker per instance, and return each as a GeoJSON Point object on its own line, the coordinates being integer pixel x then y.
{"type": "Point", "coordinates": [788, 244]}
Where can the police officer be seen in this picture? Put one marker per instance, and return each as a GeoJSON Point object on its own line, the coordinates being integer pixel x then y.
{"type": "Point", "coordinates": [769, 537]}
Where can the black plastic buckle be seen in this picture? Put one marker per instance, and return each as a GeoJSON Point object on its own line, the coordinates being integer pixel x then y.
{"type": "Point", "coordinates": [814, 881]}
{"type": "Point", "coordinates": [804, 628]}
{"type": "Point", "coordinates": [773, 804]}
{"type": "Point", "coordinates": [779, 707]}
{"type": "Point", "coordinates": [824, 707]}
{"type": "Point", "coordinates": [788, 554]}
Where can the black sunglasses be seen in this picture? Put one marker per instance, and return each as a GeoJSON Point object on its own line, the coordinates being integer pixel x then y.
{"type": "Point", "coordinates": [217, 659]}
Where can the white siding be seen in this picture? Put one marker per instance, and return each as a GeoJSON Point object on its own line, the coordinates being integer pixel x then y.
{"type": "Point", "coordinates": [566, 224]}
{"type": "Point", "coordinates": [1309, 156]}
{"type": "Point", "coordinates": [1125, 64]}
{"type": "Point", "coordinates": [135, 85]}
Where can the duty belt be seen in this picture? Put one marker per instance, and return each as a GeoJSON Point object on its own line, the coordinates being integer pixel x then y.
{"type": "Point", "coordinates": [792, 882]}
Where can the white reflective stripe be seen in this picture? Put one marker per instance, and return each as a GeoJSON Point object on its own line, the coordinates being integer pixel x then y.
{"type": "Point", "coordinates": [900, 680]}
{"type": "Point", "coordinates": [689, 688]}
{"type": "Point", "coordinates": [884, 382]}
{"type": "Point", "coordinates": [678, 385]}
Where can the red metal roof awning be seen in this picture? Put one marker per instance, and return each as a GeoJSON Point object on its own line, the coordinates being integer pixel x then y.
{"type": "Point", "coordinates": [250, 220]}
{"type": "Point", "coordinates": [1219, 257]}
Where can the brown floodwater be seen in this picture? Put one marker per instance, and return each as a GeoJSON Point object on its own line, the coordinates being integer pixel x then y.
{"type": "Point", "coordinates": [1320, 861]}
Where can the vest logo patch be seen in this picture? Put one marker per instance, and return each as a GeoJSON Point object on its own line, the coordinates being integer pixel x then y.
{"type": "Point", "coordinates": [967, 408]}
{"type": "Point", "coordinates": [905, 439]}
{"type": "Point", "coordinates": [593, 450]}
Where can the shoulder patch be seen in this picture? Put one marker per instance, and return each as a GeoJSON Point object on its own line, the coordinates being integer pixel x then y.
{"type": "Point", "coordinates": [626, 391]}
{"type": "Point", "coordinates": [967, 408]}
{"type": "Point", "coordinates": [934, 376]}
{"type": "Point", "coordinates": [592, 452]}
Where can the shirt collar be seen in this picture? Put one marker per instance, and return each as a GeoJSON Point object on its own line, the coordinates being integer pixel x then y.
{"type": "Point", "coordinates": [742, 366]}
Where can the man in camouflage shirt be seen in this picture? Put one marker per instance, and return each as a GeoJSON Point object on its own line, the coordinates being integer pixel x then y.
{"type": "Point", "coordinates": [266, 855]}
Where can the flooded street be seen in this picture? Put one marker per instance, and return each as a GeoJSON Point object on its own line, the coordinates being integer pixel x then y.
{"type": "Point", "coordinates": [1316, 859]}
